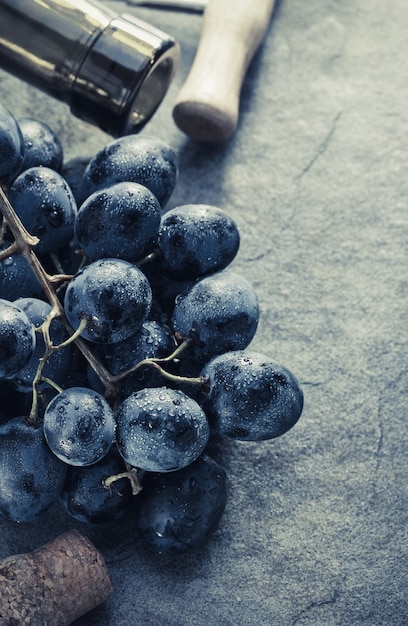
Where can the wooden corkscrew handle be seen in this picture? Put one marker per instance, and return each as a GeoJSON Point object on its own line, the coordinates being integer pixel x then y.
{"type": "Point", "coordinates": [207, 106]}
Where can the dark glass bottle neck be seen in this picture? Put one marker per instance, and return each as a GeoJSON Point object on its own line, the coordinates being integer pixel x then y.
{"type": "Point", "coordinates": [112, 70]}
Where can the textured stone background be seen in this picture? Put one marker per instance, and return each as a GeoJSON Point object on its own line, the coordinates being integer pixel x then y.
{"type": "Point", "coordinates": [315, 531]}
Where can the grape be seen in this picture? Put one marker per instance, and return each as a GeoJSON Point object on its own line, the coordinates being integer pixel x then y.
{"type": "Point", "coordinates": [165, 291]}
{"type": "Point", "coordinates": [58, 363]}
{"type": "Point", "coordinates": [180, 510]}
{"type": "Point", "coordinates": [196, 239]}
{"type": "Point", "coordinates": [250, 397]}
{"type": "Point", "coordinates": [220, 312]}
{"type": "Point", "coordinates": [160, 429]}
{"type": "Point", "coordinates": [42, 145]}
{"type": "Point", "coordinates": [31, 475]}
{"type": "Point", "coordinates": [45, 204]}
{"type": "Point", "coordinates": [153, 340]}
{"type": "Point", "coordinates": [73, 171]}
{"type": "Point", "coordinates": [86, 499]}
{"type": "Point", "coordinates": [135, 158]}
{"type": "Point", "coordinates": [79, 426]}
{"type": "Point", "coordinates": [17, 339]}
{"type": "Point", "coordinates": [120, 221]}
{"type": "Point", "coordinates": [12, 402]}
{"type": "Point", "coordinates": [113, 296]}
{"type": "Point", "coordinates": [18, 403]}
{"type": "Point", "coordinates": [17, 279]}
{"type": "Point", "coordinates": [11, 147]}
{"type": "Point", "coordinates": [3, 417]}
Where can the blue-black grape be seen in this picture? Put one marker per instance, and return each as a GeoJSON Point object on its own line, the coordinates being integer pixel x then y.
{"type": "Point", "coordinates": [11, 147]}
{"type": "Point", "coordinates": [181, 510]}
{"type": "Point", "coordinates": [79, 426]}
{"type": "Point", "coordinates": [17, 339]}
{"type": "Point", "coordinates": [73, 171]}
{"type": "Point", "coordinates": [45, 204]}
{"type": "Point", "coordinates": [137, 158]}
{"type": "Point", "coordinates": [160, 429]}
{"type": "Point", "coordinates": [42, 146]}
{"type": "Point", "coordinates": [120, 221]}
{"type": "Point", "coordinates": [17, 279]}
{"type": "Point", "coordinates": [220, 312]}
{"type": "Point", "coordinates": [31, 476]}
{"type": "Point", "coordinates": [165, 291]}
{"type": "Point", "coordinates": [250, 397]}
{"type": "Point", "coordinates": [152, 340]}
{"type": "Point", "coordinates": [58, 363]}
{"type": "Point", "coordinates": [66, 260]}
{"type": "Point", "coordinates": [85, 497]}
{"type": "Point", "coordinates": [21, 402]}
{"type": "Point", "coordinates": [195, 240]}
{"type": "Point", "coordinates": [113, 296]}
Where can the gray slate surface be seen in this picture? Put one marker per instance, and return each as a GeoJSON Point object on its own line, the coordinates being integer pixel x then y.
{"type": "Point", "coordinates": [315, 531]}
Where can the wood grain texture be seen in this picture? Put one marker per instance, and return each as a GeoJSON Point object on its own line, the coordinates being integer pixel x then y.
{"type": "Point", "coordinates": [207, 106]}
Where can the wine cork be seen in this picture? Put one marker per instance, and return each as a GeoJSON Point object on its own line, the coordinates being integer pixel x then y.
{"type": "Point", "coordinates": [53, 585]}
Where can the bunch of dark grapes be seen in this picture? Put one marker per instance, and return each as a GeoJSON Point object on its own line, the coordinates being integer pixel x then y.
{"type": "Point", "coordinates": [124, 342]}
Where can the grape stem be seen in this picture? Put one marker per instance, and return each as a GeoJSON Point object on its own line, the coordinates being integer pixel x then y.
{"type": "Point", "coordinates": [52, 384]}
{"type": "Point", "coordinates": [131, 473]}
{"type": "Point", "coordinates": [152, 256]}
{"type": "Point", "coordinates": [156, 363]}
